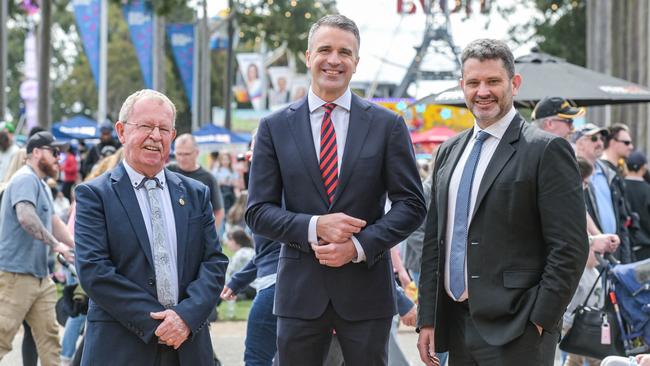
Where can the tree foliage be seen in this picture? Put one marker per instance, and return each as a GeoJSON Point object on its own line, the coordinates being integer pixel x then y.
{"type": "Point", "coordinates": [276, 21]}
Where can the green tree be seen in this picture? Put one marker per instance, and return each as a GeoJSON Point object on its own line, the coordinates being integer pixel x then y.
{"type": "Point", "coordinates": [561, 30]}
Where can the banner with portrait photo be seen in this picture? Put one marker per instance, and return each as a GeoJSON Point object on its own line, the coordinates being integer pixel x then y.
{"type": "Point", "coordinates": [299, 86]}
{"type": "Point", "coordinates": [252, 72]}
{"type": "Point", "coordinates": [280, 90]}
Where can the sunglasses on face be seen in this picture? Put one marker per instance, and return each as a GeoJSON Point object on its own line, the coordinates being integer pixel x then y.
{"type": "Point", "coordinates": [595, 138]}
{"type": "Point", "coordinates": [564, 120]}
{"type": "Point", "coordinates": [626, 142]}
{"type": "Point", "coordinates": [55, 151]}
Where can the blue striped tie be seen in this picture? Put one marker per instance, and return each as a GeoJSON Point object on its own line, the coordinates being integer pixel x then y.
{"type": "Point", "coordinates": [461, 219]}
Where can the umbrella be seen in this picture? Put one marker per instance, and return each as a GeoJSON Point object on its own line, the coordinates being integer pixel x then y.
{"type": "Point", "coordinates": [77, 127]}
{"type": "Point", "coordinates": [438, 134]}
{"type": "Point", "coordinates": [545, 75]}
{"type": "Point", "coordinates": [211, 134]}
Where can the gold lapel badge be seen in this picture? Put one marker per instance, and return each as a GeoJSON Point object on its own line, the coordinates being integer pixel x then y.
{"type": "Point", "coordinates": [181, 201]}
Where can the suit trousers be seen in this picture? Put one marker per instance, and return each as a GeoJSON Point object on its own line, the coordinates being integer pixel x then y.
{"type": "Point", "coordinates": [307, 341]}
{"type": "Point", "coordinates": [468, 348]}
{"type": "Point", "coordinates": [166, 356]}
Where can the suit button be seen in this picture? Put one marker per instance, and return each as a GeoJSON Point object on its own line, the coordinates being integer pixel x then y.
{"type": "Point", "coordinates": [151, 282]}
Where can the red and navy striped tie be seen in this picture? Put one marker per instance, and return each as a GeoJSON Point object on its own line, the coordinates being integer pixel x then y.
{"type": "Point", "coordinates": [329, 161]}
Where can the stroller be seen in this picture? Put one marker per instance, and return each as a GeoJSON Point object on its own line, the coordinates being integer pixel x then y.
{"type": "Point", "coordinates": [629, 295]}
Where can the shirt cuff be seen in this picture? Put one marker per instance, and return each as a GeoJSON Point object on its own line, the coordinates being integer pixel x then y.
{"type": "Point", "coordinates": [361, 255]}
{"type": "Point", "coordinates": [312, 237]}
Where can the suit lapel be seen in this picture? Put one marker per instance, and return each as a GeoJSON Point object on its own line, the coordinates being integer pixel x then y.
{"type": "Point", "coordinates": [502, 154]}
{"type": "Point", "coordinates": [300, 126]}
{"type": "Point", "coordinates": [442, 193]}
{"type": "Point", "coordinates": [177, 193]}
{"type": "Point", "coordinates": [126, 195]}
{"type": "Point", "coordinates": [359, 125]}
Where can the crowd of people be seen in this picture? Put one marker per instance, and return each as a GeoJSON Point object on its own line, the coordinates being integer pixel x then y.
{"type": "Point", "coordinates": [330, 225]}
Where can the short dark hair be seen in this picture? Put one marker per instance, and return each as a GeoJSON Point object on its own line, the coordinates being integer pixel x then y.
{"type": "Point", "coordinates": [614, 131]}
{"type": "Point", "coordinates": [489, 49]}
{"type": "Point", "coordinates": [336, 21]}
{"type": "Point", "coordinates": [239, 236]}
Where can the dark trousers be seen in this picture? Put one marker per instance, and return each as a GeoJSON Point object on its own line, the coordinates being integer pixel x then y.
{"type": "Point", "coordinates": [306, 342]}
{"type": "Point", "coordinates": [166, 356]}
{"type": "Point", "coordinates": [467, 347]}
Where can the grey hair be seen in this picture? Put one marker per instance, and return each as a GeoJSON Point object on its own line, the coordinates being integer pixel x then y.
{"type": "Point", "coordinates": [489, 49]}
{"type": "Point", "coordinates": [335, 21]}
{"type": "Point", "coordinates": [127, 106]}
{"type": "Point", "coordinates": [187, 137]}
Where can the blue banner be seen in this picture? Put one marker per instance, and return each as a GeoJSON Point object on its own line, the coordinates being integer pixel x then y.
{"type": "Point", "coordinates": [86, 14]}
{"type": "Point", "coordinates": [181, 39]}
{"type": "Point", "coordinates": [139, 17]}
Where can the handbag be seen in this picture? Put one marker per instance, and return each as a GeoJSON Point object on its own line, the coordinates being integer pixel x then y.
{"type": "Point", "coordinates": [584, 337]}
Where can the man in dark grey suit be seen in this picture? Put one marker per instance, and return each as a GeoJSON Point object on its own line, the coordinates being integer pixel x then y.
{"type": "Point", "coordinates": [505, 240]}
{"type": "Point", "coordinates": [322, 170]}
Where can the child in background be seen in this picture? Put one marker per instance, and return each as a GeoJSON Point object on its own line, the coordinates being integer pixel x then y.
{"type": "Point", "coordinates": [242, 247]}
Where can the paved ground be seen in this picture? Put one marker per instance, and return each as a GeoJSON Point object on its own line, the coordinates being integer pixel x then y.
{"type": "Point", "coordinates": [228, 342]}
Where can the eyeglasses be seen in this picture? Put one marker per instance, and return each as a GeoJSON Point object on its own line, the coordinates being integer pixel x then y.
{"type": "Point", "coordinates": [148, 129]}
{"type": "Point", "coordinates": [55, 151]}
{"type": "Point", "coordinates": [626, 142]}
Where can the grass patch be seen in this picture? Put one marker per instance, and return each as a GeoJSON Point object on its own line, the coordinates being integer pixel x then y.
{"type": "Point", "coordinates": [242, 308]}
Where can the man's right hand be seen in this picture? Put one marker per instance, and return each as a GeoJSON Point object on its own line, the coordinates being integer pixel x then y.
{"type": "Point", "coordinates": [337, 227]}
{"type": "Point", "coordinates": [605, 243]}
{"type": "Point", "coordinates": [426, 347]}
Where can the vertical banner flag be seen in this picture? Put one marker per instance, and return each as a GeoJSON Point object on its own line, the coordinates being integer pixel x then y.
{"type": "Point", "coordinates": [139, 17]}
{"type": "Point", "coordinates": [181, 39]}
{"type": "Point", "coordinates": [86, 14]}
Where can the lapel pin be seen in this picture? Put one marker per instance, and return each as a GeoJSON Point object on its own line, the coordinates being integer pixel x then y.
{"type": "Point", "coordinates": [181, 201]}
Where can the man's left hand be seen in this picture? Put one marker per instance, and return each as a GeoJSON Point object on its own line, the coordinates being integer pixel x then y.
{"type": "Point", "coordinates": [335, 254]}
{"type": "Point", "coordinates": [173, 330]}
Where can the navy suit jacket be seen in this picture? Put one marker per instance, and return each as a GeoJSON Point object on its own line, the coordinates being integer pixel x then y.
{"type": "Point", "coordinates": [286, 190]}
{"type": "Point", "coordinates": [113, 259]}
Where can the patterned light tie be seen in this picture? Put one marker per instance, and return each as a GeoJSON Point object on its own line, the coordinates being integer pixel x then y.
{"type": "Point", "coordinates": [461, 219]}
{"type": "Point", "coordinates": [329, 160]}
{"type": "Point", "coordinates": [159, 249]}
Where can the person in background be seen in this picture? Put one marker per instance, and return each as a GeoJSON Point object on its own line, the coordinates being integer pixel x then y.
{"type": "Point", "coordinates": [107, 143]}
{"type": "Point", "coordinates": [638, 194]}
{"type": "Point", "coordinates": [7, 147]}
{"type": "Point", "coordinates": [70, 170]}
{"type": "Point", "coordinates": [187, 154]}
{"type": "Point", "coordinates": [28, 226]}
{"type": "Point", "coordinates": [227, 178]}
{"type": "Point", "coordinates": [241, 245]}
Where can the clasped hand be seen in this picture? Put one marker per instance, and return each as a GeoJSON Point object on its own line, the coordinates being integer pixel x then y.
{"type": "Point", "coordinates": [173, 330]}
{"type": "Point", "coordinates": [334, 233]}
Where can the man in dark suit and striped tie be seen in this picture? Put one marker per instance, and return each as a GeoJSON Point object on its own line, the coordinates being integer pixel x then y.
{"type": "Point", "coordinates": [322, 170]}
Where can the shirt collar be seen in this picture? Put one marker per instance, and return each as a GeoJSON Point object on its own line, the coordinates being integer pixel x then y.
{"type": "Point", "coordinates": [497, 129]}
{"type": "Point", "coordinates": [136, 178]}
{"type": "Point", "coordinates": [316, 102]}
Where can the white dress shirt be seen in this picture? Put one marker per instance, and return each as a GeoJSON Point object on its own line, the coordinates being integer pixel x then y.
{"type": "Point", "coordinates": [496, 132]}
{"type": "Point", "coordinates": [168, 214]}
{"type": "Point", "coordinates": [341, 120]}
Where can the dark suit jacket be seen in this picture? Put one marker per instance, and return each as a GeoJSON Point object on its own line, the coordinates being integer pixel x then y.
{"type": "Point", "coordinates": [113, 259]}
{"type": "Point", "coordinates": [527, 242]}
{"type": "Point", "coordinates": [378, 159]}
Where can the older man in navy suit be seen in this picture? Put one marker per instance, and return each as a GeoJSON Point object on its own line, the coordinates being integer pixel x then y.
{"type": "Point", "coordinates": [147, 250]}
{"type": "Point", "coordinates": [322, 171]}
